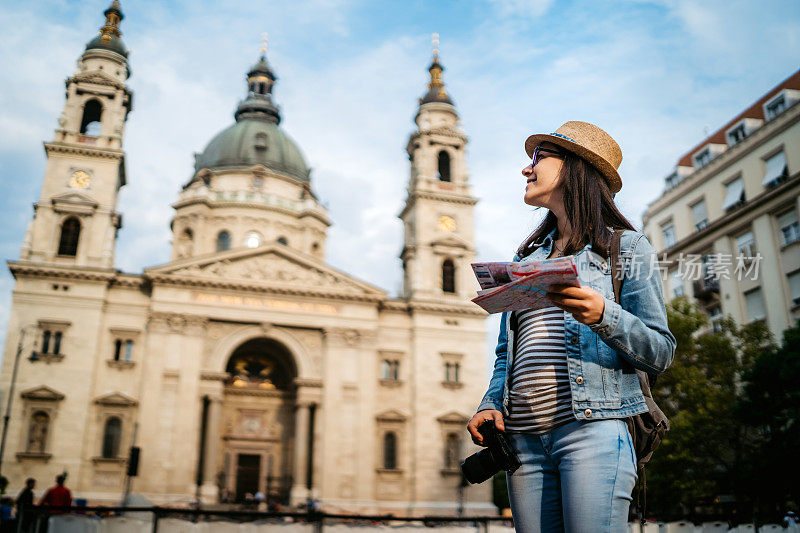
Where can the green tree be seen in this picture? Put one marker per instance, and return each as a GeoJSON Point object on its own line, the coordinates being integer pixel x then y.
{"type": "Point", "coordinates": [702, 454]}
{"type": "Point", "coordinates": [769, 408]}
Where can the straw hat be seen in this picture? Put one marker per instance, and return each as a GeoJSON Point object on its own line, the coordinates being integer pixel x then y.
{"type": "Point", "coordinates": [589, 142]}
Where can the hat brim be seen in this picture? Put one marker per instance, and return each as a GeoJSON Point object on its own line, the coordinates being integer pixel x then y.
{"type": "Point", "coordinates": [604, 167]}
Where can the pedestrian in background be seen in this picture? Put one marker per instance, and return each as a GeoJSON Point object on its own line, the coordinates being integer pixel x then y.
{"type": "Point", "coordinates": [58, 495]}
{"type": "Point", "coordinates": [25, 503]}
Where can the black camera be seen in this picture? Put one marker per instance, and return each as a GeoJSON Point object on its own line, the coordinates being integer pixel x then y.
{"type": "Point", "coordinates": [498, 455]}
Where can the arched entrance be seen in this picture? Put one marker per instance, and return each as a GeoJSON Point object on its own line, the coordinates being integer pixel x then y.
{"type": "Point", "coordinates": [258, 422]}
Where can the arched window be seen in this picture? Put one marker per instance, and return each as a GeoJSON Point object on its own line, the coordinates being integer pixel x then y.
{"type": "Point", "coordinates": [452, 451]}
{"type": "Point", "coordinates": [185, 243]}
{"type": "Point", "coordinates": [252, 239]}
{"type": "Point", "coordinates": [444, 166]}
{"type": "Point", "coordinates": [390, 450]}
{"type": "Point", "coordinates": [37, 432]}
{"type": "Point", "coordinates": [448, 276]}
{"type": "Point", "coordinates": [223, 241]}
{"type": "Point", "coordinates": [283, 241]}
{"type": "Point", "coordinates": [112, 435]}
{"type": "Point", "coordinates": [90, 123]}
{"type": "Point", "coordinates": [70, 232]}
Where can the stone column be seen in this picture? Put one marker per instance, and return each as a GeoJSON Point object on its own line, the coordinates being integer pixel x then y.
{"type": "Point", "coordinates": [316, 454]}
{"type": "Point", "coordinates": [209, 489]}
{"type": "Point", "coordinates": [770, 274]}
{"type": "Point", "coordinates": [300, 470]}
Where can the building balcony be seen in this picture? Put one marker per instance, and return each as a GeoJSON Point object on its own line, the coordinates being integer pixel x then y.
{"type": "Point", "coordinates": [706, 290]}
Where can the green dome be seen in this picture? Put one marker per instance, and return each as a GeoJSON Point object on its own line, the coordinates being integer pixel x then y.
{"type": "Point", "coordinates": [252, 141]}
{"type": "Point", "coordinates": [115, 44]}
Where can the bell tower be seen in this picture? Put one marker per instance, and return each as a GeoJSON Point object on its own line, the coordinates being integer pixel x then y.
{"type": "Point", "coordinates": [75, 220]}
{"type": "Point", "coordinates": [437, 218]}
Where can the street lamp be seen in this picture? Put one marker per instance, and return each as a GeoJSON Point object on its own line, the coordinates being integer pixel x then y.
{"type": "Point", "coordinates": [33, 359]}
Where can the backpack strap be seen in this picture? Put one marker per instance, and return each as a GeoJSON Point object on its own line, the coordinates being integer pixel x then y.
{"type": "Point", "coordinates": [647, 380]}
{"type": "Point", "coordinates": [616, 274]}
{"type": "Point", "coordinates": [644, 381]}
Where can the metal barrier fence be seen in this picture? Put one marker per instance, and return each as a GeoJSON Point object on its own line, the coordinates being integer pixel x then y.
{"type": "Point", "coordinates": [180, 520]}
{"type": "Point", "coordinates": [36, 520]}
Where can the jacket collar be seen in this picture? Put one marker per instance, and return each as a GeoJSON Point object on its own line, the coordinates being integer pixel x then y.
{"type": "Point", "coordinates": [549, 237]}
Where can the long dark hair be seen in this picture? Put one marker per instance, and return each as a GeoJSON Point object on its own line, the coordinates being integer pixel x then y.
{"type": "Point", "coordinates": [588, 204]}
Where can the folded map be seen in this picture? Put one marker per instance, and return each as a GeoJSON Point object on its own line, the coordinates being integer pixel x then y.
{"type": "Point", "coordinates": [510, 286]}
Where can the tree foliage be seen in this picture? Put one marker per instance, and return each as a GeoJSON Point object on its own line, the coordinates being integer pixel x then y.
{"type": "Point", "coordinates": [733, 400]}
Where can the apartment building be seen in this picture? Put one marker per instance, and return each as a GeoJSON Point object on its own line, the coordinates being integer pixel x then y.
{"type": "Point", "coordinates": [726, 225]}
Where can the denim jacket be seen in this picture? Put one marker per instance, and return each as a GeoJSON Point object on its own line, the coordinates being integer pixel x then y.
{"type": "Point", "coordinates": [601, 357]}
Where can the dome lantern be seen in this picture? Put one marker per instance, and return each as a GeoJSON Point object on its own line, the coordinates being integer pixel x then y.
{"type": "Point", "coordinates": [260, 81]}
{"type": "Point", "coordinates": [436, 91]}
{"type": "Point", "coordinates": [110, 37]}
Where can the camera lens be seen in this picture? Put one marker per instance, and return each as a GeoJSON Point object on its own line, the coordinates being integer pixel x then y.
{"type": "Point", "coordinates": [480, 466]}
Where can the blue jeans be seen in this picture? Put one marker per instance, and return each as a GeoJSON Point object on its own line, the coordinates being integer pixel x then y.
{"type": "Point", "coordinates": [576, 478]}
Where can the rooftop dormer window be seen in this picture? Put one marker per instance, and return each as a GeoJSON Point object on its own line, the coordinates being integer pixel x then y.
{"type": "Point", "coordinates": [673, 179]}
{"type": "Point", "coordinates": [737, 134]}
{"type": "Point", "coordinates": [702, 158]}
{"type": "Point", "coordinates": [775, 107]}
{"type": "Point", "coordinates": [780, 103]}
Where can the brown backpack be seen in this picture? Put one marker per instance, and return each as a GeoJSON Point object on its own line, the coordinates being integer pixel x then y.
{"type": "Point", "coordinates": [647, 429]}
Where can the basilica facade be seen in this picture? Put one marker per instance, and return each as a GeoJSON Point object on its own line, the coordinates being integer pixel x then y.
{"type": "Point", "coordinates": [246, 363]}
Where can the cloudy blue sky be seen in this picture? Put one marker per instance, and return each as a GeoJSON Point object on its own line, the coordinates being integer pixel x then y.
{"type": "Point", "coordinates": [654, 74]}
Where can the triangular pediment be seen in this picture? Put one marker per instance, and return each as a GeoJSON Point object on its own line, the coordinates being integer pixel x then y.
{"type": "Point", "coordinates": [271, 265]}
{"type": "Point", "coordinates": [453, 417]}
{"type": "Point", "coordinates": [74, 197]}
{"type": "Point", "coordinates": [116, 399]}
{"type": "Point", "coordinates": [392, 415]}
{"type": "Point", "coordinates": [98, 77]}
{"type": "Point", "coordinates": [42, 393]}
{"type": "Point", "coordinates": [452, 241]}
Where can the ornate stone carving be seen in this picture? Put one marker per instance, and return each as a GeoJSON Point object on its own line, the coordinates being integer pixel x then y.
{"type": "Point", "coordinates": [311, 339]}
{"type": "Point", "coordinates": [270, 268]}
{"type": "Point", "coordinates": [348, 336]}
{"type": "Point", "coordinates": [97, 78]}
{"type": "Point", "coordinates": [175, 322]}
{"type": "Point", "coordinates": [217, 330]}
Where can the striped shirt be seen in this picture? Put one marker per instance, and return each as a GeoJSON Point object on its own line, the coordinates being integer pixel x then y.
{"type": "Point", "coordinates": [539, 395]}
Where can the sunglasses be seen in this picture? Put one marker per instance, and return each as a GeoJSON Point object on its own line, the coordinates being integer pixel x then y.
{"type": "Point", "coordinates": [540, 153]}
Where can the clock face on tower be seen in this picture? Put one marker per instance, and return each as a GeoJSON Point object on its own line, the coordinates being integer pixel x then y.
{"type": "Point", "coordinates": [447, 223]}
{"type": "Point", "coordinates": [79, 179]}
